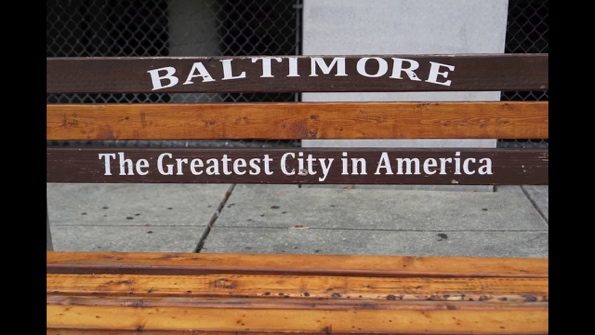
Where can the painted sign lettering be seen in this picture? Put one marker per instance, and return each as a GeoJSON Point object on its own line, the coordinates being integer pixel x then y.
{"type": "Point", "coordinates": [337, 73]}
{"type": "Point", "coordinates": [371, 67]}
{"type": "Point", "coordinates": [307, 166]}
{"type": "Point", "coordinates": [294, 163]}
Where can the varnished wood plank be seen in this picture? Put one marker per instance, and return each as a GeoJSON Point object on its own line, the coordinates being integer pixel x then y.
{"type": "Point", "coordinates": [306, 287]}
{"type": "Point", "coordinates": [287, 304]}
{"type": "Point", "coordinates": [339, 265]}
{"type": "Point", "coordinates": [199, 332]}
{"type": "Point", "coordinates": [372, 120]}
{"type": "Point", "coordinates": [62, 331]}
{"type": "Point", "coordinates": [480, 72]}
{"type": "Point", "coordinates": [432, 319]}
{"type": "Point", "coordinates": [71, 331]}
{"type": "Point", "coordinates": [281, 166]}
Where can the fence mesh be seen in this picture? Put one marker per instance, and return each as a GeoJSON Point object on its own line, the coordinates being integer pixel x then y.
{"type": "Point", "coordinates": [127, 28]}
{"type": "Point", "coordinates": [110, 28]}
{"type": "Point", "coordinates": [526, 32]}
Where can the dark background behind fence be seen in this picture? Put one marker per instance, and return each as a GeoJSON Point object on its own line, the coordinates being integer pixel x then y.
{"type": "Point", "coordinates": [526, 32]}
{"type": "Point", "coordinates": [111, 28]}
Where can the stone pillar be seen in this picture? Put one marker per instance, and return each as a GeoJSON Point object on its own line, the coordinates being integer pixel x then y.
{"type": "Point", "coordinates": [192, 32]}
{"type": "Point", "coordinates": [352, 27]}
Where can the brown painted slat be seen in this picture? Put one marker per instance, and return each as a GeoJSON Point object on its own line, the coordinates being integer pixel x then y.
{"type": "Point", "coordinates": [303, 287]}
{"type": "Point", "coordinates": [472, 72]}
{"type": "Point", "coordinates": [434, 318]}
{"type": "Point", "coordinates": [336, 265]}
{"type": "Point", "coordinates": [507, 166]}
{"type": "Point", "coordinates": [355, 120]}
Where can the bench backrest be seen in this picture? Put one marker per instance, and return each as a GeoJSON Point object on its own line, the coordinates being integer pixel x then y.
{"type": "Point", "coordinates": [333, 120]}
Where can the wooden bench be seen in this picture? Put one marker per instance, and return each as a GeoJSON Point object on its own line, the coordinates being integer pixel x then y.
{"type": "Point", "coordinates": [194, 293]}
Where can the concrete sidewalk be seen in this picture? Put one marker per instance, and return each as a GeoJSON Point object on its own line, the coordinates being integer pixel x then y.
{"type": "Point", "coordinates": [511, 222]}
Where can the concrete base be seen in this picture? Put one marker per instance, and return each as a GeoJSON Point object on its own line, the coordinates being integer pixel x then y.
{"type": "Point", "coordinates": [539, 195]}
{"type": "Point", "coordinates": [289, 219]}
{"type": "Point", "coordinates": [284, 206]}
{"type": "Point", "coordinates": [133, 204]}
{"type": "Point", "coordinates": [130, 217]}
{"type": "Point", "coordinates": [357, 242]}
{"type": "Point", "coordinates": [126, 238]}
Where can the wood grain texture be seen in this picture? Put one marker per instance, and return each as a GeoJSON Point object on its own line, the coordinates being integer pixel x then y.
{"type": "Point", "coordinates": [304, 287]}
{"type": "Point", "coordinates": [340, 265]}
{"type": "Point", "coordinates": [157, 293]}
{"type": "Point", "coordinates": [504, 120]}
{"type": "Point", "coordinates": [433, 319]}
{"type": "Point", "coordinates": [63, 331]}
{"type": "Point", "coordinates": [481, 72]}
{"type": "Point", "coordinates": [280, 303]}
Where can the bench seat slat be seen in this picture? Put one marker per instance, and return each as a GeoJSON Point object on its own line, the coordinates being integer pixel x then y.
{"type": "Point", "coordinates": [304, 287]}
{"type": "Point", "coordinates": [370, 266]}
{"type": "Point", "coordinates": [337, 303]}
{"type": "Point", "coordinates": [390, 120]}
{"type": "Point", "coordinates": [445, 319]}
{"type": "Point", "coordinates": [102, 293]}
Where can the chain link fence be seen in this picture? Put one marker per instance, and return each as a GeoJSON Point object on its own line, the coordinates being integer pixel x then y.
{"type": "Point", "coordinates": [526, 32]}
{"type": "Point", "coordinates": [111, 28]}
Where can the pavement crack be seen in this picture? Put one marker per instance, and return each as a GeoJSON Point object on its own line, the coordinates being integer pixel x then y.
{"type": "Point", "coordinates": [214, 217]}
{"type": "Point", "coordinates": [526, 193]}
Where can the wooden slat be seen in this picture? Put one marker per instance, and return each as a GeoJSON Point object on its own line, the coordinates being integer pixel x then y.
{"type": "Point", "coordinates": [382, 166]}
{"type": "Point", "coordinates": [504, 120]}
{"type": "Point", "coordinates": [432, 318]}
{"type": "Point", "coordinates": [337, 265]}
{"type": "Point", "coordinates": [155, 293]}
{"type": "Point", "coordinates": [283, 303]}
{"type": "Point", "coordinates": [304, 287]}
{"type": "Point", "coordinates": [480, 72]}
